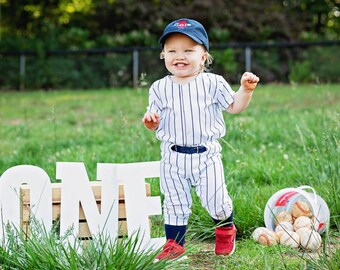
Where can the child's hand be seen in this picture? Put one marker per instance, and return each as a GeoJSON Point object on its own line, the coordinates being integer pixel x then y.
{"type": "Point", "coordinates": [151, 120]}
{"type": "Point", "coordinates": [249, 81]}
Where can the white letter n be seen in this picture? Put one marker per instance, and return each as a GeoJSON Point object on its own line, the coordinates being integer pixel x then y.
{"type": "Point", "coordinates": [76, 188]}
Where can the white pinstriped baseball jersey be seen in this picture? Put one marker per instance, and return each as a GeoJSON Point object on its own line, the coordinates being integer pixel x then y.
{"type": "Point", "coordinates": [190, 115]}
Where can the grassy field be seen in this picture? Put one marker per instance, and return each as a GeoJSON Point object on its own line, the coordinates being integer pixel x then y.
{"type": "Point", "coordinates": [288, 137]}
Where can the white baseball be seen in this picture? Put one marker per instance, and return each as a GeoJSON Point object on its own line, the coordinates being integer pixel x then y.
{"type": "Point", "coordinates": [301, 222]}
{"type": "Point", "coordinates": [284, 226]}
{"type": "Point", "coordinates": [310, 240]}
{"type": "Point", "coordinates": [290, 239]}
{"type": "Point", "coordinates": [279, 235]}
{"type": "Point", "coordinates": [301, 208]}
{"type": "Point", "coordinates": [256, 233]}
{"type": "Point", "coordinates": [301, 230]}
{"type": "Point", "coordinates": [283, 216]}
{"type": "Point", "coordinates": [267, 238]}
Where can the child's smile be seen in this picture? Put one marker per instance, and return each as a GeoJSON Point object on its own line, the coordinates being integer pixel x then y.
{"type": "Point", "coordinates": [183, 57]}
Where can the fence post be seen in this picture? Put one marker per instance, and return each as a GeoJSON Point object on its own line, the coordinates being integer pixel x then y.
{"type": "Point", "coordinates": [22, 72]}
{"type": "Point", "coordinates": [135, 67]}
{"type": "Point", "coordinates": [248, 58]}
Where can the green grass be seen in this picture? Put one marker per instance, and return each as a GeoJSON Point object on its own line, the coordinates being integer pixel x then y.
{"type": "Point", "coordinates": [289, 136]}
{"type": "Point", "coordinates": [46, 250]}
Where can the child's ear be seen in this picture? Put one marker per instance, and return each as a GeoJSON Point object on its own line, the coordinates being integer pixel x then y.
{"type": "Point", "coordinates": [161, 55]}
{"type": "Point", "coordinates": [204, 57]}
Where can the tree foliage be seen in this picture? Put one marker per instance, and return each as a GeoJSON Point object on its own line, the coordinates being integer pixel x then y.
{"type": "Point", "coordinates": [75, 24]}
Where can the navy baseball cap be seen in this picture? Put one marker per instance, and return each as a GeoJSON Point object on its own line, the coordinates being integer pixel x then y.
{"type": "Point", "coordinates": [189, 27]}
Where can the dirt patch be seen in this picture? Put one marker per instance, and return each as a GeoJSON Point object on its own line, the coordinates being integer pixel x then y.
{"type": "Point", "coordinates": [202, 257]}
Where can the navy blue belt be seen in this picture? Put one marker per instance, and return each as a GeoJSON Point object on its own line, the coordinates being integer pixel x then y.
{"type": "Point", "coordinates": [189, 149]}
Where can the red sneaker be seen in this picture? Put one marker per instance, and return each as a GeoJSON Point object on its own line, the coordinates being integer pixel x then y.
{"type": "Point", "coordinates": [171, 251]}
{"type": "Point", "coordinates": [225, 240]}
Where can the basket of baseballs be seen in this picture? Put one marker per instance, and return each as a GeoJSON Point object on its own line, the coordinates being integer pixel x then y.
{"type": "Point", "coordinates": [292, 228]}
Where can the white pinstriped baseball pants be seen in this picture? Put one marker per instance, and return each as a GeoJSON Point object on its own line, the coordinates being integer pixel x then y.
{"type": "Point", "coordinates": [182, 172]}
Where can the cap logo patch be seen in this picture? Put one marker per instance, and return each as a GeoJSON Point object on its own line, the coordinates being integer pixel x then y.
{"type": "Point", "coordinates": [182, 24]}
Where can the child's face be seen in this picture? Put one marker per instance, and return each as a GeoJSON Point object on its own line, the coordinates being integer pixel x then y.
{"type": "Point", "coordinates": [183, 57]}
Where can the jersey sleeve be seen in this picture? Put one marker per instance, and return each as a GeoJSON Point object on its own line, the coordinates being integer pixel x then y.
{"type": "Point", "coordinates": [225, 94]}
{"type": "Point", "coordinates": [154, 100]}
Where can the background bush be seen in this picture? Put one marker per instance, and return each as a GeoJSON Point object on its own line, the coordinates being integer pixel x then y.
{"type": "Point", "coordinates": [101, 69]}
{"type": "Point", "coordinates": [46, 32]}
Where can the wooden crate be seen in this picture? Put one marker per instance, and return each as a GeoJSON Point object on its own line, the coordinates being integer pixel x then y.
{"type": "Point", "coordinates": [84, 232]}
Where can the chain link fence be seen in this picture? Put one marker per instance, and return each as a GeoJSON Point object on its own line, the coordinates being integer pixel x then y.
{"type": "Point", "coordinates": [313, 62]}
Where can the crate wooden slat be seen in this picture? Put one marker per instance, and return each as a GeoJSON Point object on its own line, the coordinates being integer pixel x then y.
{"type": "Point", "coordinates": [56, 207]}
{"type": "Point", "coordinates": [56, 192]}
{"type": "Point", "coordinates": [84, 232]}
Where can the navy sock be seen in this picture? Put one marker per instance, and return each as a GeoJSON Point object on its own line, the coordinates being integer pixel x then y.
{"type": "Point", "coordinates": [225, 223]}
{"type": "Point", "coordinates": [176, 233]}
